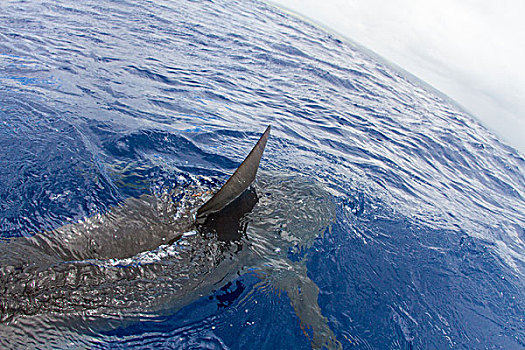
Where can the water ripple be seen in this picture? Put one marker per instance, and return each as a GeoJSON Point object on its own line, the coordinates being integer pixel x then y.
{"type": "Point", "coordinates": [102, 101]}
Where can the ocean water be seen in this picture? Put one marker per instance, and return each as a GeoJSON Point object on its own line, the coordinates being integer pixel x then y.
{"type": "Point", "coordinates": [387, 218]}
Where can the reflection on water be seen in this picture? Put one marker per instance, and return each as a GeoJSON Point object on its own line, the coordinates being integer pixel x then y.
{"type": "Point", "coordinates": [102, 101]}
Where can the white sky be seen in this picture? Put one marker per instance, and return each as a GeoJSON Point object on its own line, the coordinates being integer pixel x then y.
{"type": "Point", "coordinates": [472, 50]}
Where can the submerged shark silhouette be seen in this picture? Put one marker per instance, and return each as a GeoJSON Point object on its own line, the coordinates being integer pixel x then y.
{"type": "Point", "coordinates": [113, 263]}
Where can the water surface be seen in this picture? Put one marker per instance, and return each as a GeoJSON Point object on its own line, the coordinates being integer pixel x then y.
{"type": "Point", "coordinates": [105, 101]}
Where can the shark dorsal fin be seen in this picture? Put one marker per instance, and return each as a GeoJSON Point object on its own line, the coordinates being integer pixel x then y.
{"type": "Point", "coordinates": [241, 179]}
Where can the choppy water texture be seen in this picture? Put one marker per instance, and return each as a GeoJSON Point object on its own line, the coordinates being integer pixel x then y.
{"type": "Point", "coordinates": [387, 218]}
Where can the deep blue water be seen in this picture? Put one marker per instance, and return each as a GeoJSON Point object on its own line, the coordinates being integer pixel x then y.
{"type": "Point", "coordinates": [101, 101]}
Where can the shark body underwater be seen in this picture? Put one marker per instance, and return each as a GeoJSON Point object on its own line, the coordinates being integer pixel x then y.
{"type": "Point", "coordinates": [156, 254]}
